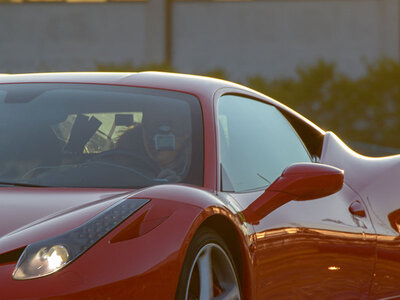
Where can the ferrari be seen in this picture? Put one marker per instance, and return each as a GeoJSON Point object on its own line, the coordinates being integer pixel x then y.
{"type": "Point", "coordinates": [157, 185]}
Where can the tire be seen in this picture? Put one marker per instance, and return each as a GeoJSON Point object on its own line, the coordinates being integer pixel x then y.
{"type": "Point", "coordinates": [208, 270]}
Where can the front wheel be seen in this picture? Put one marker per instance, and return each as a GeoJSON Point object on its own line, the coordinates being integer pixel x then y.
{"type": "Point", "coordinates": [208, 271]}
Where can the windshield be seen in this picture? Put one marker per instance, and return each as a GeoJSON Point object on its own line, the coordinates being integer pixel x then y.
{"type": "Point", "coordinates": [87, 135]}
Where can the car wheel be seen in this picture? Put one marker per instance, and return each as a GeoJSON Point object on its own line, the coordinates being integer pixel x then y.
{"type": "Point", "coordinates": [208, 271]}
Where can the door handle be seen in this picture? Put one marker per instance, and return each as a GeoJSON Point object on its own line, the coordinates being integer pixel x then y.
{"type": "Point", "coordinates": [357, 209]}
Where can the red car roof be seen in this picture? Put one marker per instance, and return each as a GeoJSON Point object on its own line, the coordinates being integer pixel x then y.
{"type": "Point", "coordinates": [199, 85]}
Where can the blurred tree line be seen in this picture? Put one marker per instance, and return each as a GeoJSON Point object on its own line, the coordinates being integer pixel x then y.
{"type": "Point", "coordinates": [364, 109]}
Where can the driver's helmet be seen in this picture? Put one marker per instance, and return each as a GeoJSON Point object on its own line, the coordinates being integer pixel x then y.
{"type": "Point", "coordinates": [167, 135]}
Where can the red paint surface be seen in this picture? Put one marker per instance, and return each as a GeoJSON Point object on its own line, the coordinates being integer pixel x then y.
{"type": "Point", "coordinates": [301, 249]}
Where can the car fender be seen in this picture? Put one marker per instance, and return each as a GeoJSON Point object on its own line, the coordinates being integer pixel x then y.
{"type": "Point", "coordinates": [211, 207]}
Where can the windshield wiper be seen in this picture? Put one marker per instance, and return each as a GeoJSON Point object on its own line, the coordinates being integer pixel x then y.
{"type": "Point", "coordinates": [21, 184]}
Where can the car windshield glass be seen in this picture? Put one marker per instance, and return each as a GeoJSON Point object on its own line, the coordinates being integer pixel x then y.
{"type": "Point", "coordinates": [88, 135]}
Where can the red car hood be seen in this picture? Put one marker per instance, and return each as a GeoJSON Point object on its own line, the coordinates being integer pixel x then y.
{"type": "Point", "coordinates": [28, 215]}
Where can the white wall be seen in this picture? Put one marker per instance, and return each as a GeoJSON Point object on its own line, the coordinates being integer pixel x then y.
{"type": "Point", "coordinates": [266, 37]}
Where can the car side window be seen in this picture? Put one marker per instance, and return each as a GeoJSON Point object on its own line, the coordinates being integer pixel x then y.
{"type": "Point", "coordinates": [256, 144]}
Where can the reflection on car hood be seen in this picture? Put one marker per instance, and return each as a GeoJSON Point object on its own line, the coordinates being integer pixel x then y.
{"type": "Point", "coordinates": [28, 215]}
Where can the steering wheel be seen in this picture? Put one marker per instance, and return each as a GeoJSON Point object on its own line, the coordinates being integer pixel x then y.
{"type": "Point", "coordinates": [135, 160]}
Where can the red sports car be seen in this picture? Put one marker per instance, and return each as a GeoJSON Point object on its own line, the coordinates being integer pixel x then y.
{"type": "Point", "coordinates": [166, 186]}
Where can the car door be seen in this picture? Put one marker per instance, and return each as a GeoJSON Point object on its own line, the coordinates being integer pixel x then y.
{"type": "Point", "coordinates": [322, 248]}
{"type": "Point", "coordinates": [383, 201]}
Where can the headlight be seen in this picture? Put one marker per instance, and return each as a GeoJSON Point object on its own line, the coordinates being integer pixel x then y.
{"type": "Point", "coordinates": [50, 255]}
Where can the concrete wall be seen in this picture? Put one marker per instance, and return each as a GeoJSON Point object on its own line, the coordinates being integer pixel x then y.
{"type": "Point", "coordinates": [60, 36]}
{"type": "Point", "coordinates": [266, 37]}
{"type": "Point", "coordinates": [271, 38]}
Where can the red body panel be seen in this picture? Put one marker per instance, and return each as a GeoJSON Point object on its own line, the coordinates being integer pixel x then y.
{"type": "Point", "coordinates": [132, 266]}
{"type": "Point", "coordinates": [376, 182]}
{"type": "Point", "coordinates": [320, 248]}
{"type": "Point", "coordinates": [42, 213]}
{"type": "Point", "coordinates": [120, 272]}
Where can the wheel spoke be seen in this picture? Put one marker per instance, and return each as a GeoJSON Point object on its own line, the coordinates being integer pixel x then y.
{"type": "Point", "coordinates": [212, 276]}
{"type": "Point", "coordinates": [206, 275]}
{"type": "Point", "coordinates": [231, 294]}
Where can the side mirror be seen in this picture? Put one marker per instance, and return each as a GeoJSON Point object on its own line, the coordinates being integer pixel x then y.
{"type": "Point", "coordinates": [299, 182]}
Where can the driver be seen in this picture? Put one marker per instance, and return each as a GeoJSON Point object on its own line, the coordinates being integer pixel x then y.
{"type": "Point", "coordinates": [163, 138]}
